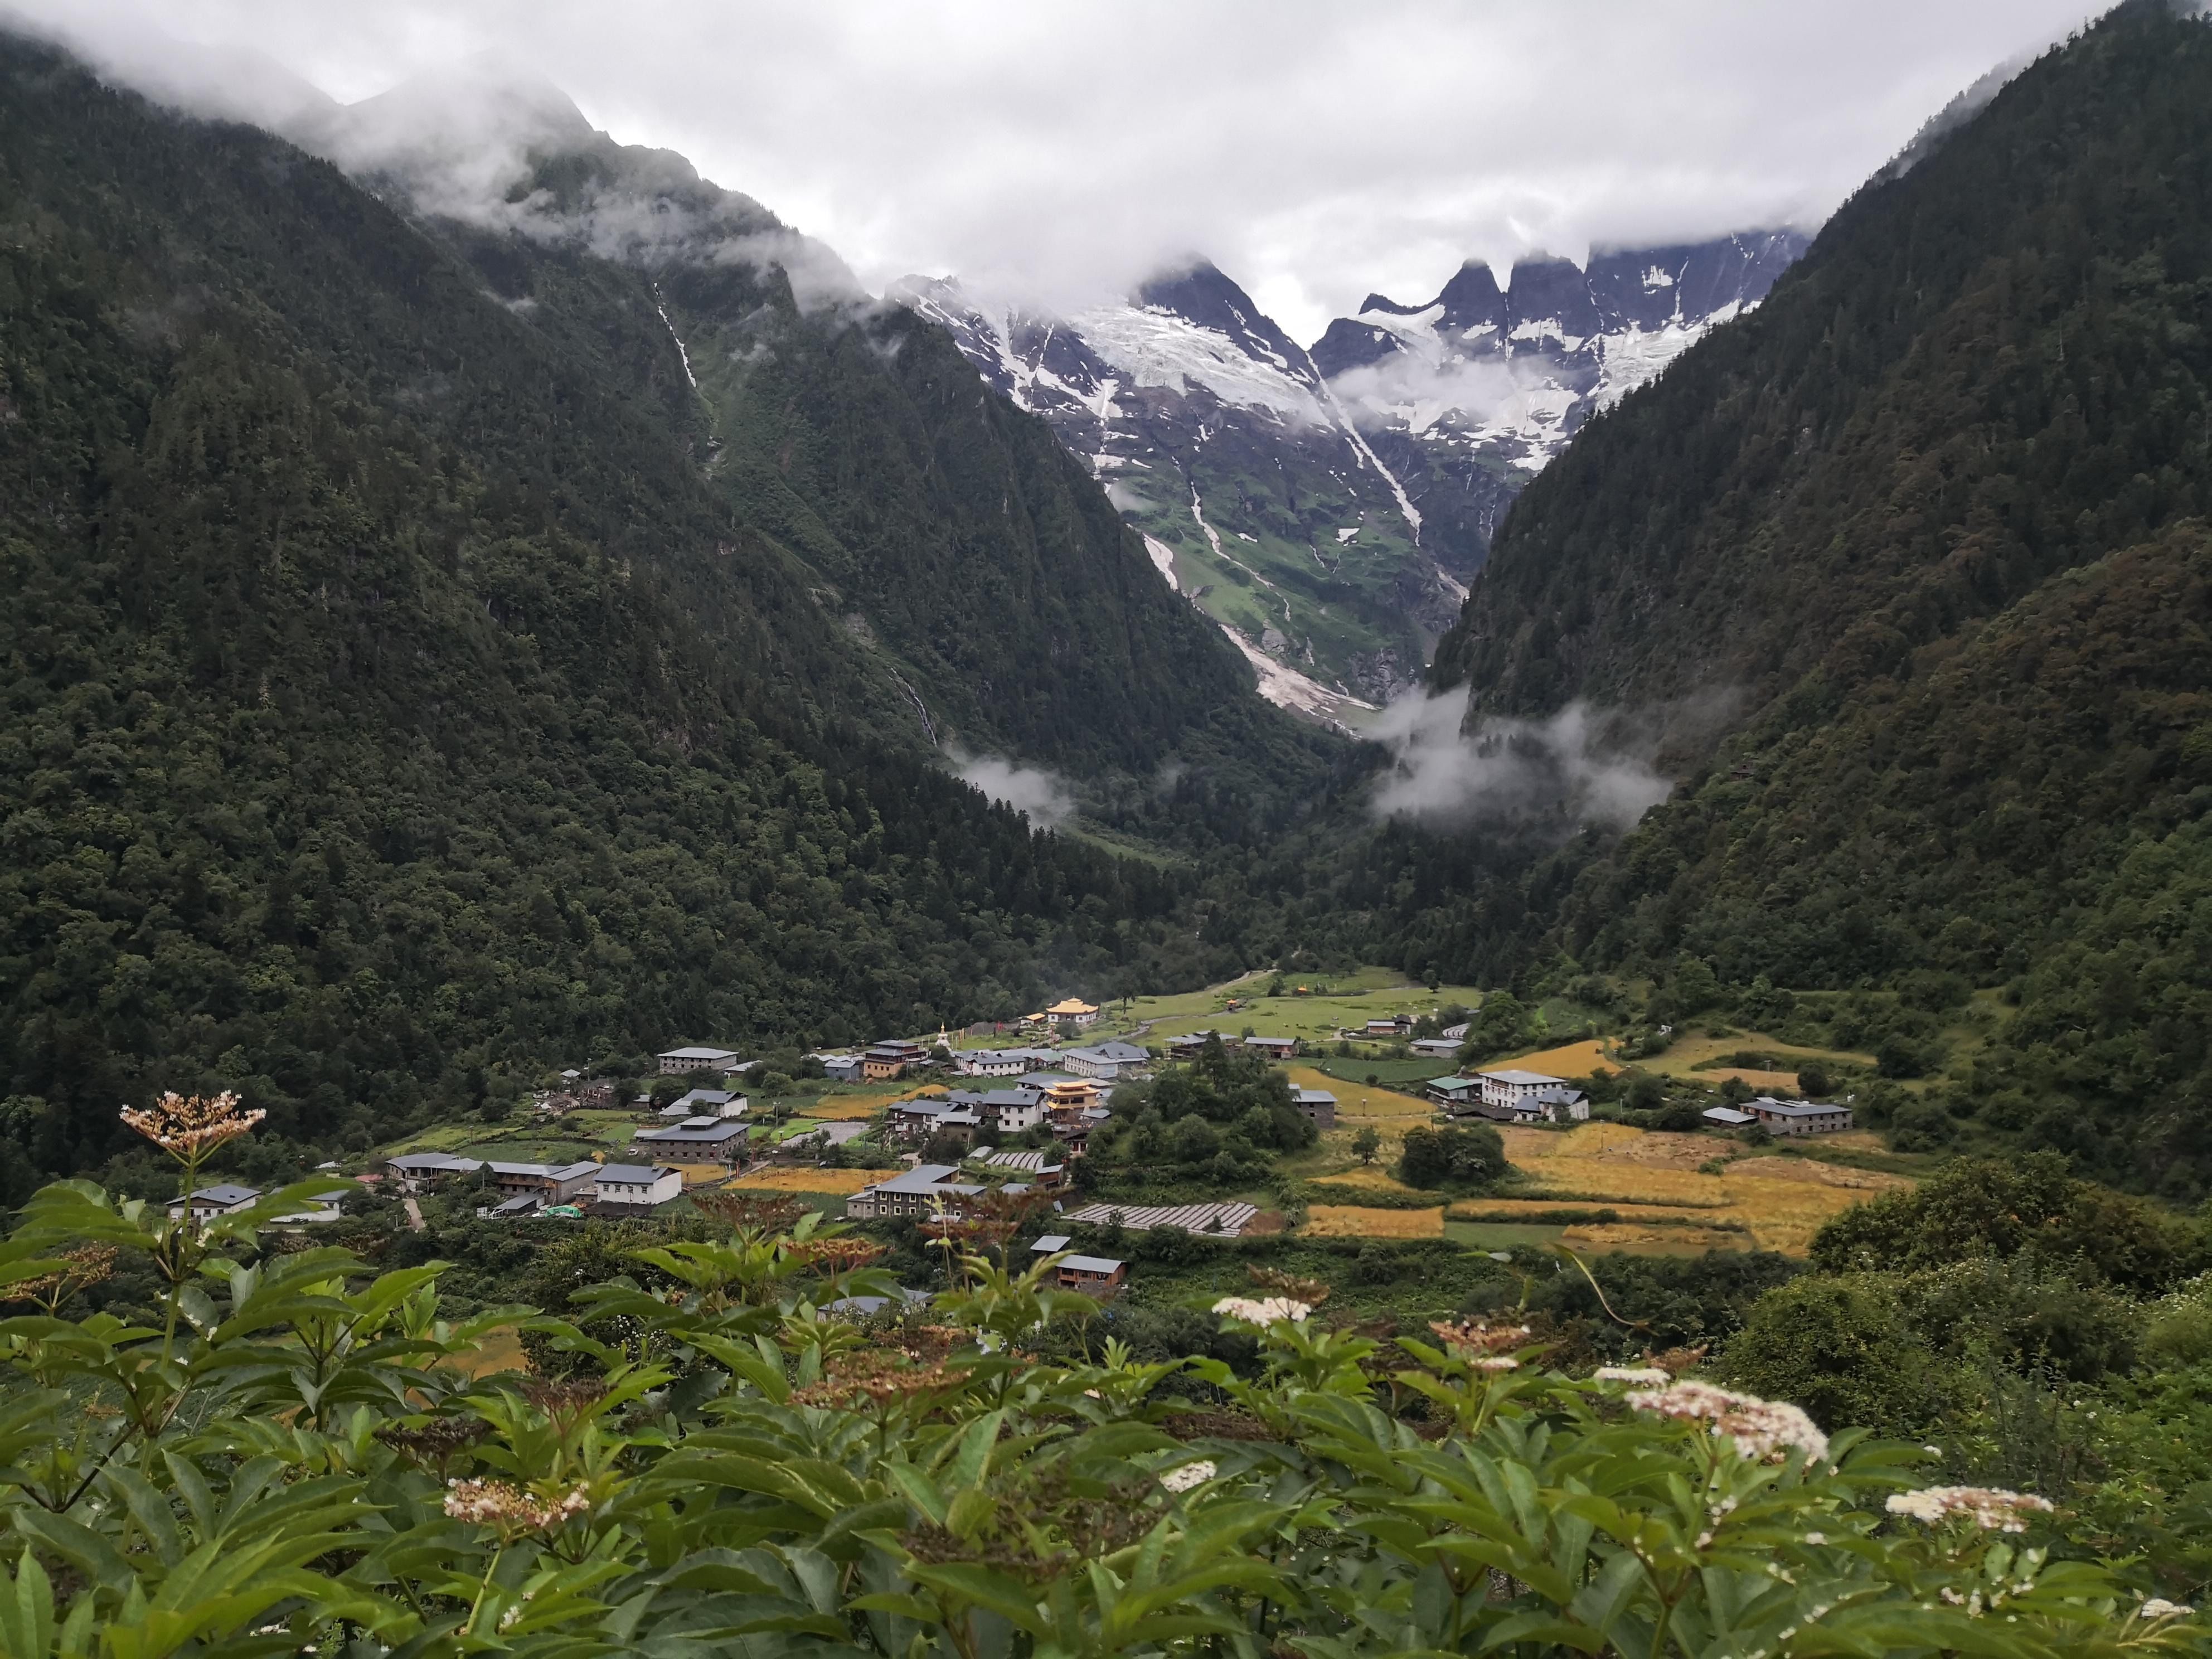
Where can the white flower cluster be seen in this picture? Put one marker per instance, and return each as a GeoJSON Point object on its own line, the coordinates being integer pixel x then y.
{"type": "Point", "coordinates": [1989, 1508]}
{"type": "Point", "coordinates": [1190, 1474]}
{"type": "Point", "coordinates": [1267, 1312]}
{"type": "Point", "coordinates": [501, 1504]}
{"type": "Point", "coordinates": [1765, 1431]}
{"type": "Point", "coordinates": [1649, 1376]}
{"type": "Point", "coordinates": [2159, 1607]}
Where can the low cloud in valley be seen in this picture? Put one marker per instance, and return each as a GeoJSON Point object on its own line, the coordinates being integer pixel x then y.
{"type": "Point", "coordinates": [1571, 769]}
{"type": "Point", "coordinates": [1041, 793]}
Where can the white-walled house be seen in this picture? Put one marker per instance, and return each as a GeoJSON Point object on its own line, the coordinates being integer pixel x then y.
{"type": "Point", "coordinates": [680, 1060]}
{"type": "Point", "coordinates": [209, 1202]}
{"type": "Point", "coordinates": [1511, 1089]}
{"type": "Point", "coordinates": [1799, 1117]}
{"type": "Point", "coordinates": [642, 1184]}
{"type": "Point", "coordinates": [1106, 1060]}
{"type": "Point", "coordinates": [708, 1103]}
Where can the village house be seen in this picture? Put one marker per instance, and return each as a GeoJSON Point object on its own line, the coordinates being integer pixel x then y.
{"type": "Point", "coordinates": [1003, 1062]}
{"type": "Point", "coordinates": [1050, 1243]}
{"type": "Point", "coordinates": [1396, 1025]}
{"type": "Point", "coordinates": [637, 1186]}
{"type": "Point", "coordinates": [595, 1097]}
{"type": "Point", "coordinates": [921, 1193]}
{"type": "Point", "coordinates": [547, 1183]}
{"type": "Point", "coordinates": [1072, 1012]}
{"type": "Point", "coordinates": [708, 1103]}
{"type": "Point", "coordinates": [1563, 1104]}
{"type": "Point", "coordinates": [1011, 1111]}
{"type": "Point", "coordinates": [695, 1141]}
{"type": "Point", "coordinates": [1509, 1089]}
{"type": "Point", "coordinates": [963, 1123]}
{"type": "Point", "coordinates": [916, 1119]}
{"type": "Point", "coordinates": [1096, 1276]}
{"type": "Point", "coordinates": [414, 1171]}
{"type": "Point", "coordinates": [891, 1059]}
{"type": "Point", "coordinates": [1109, 1061]}
{"type": "Point", "coordinates": [1436, 1047]}
{"type": "Point", "coordinates": [1316, 1106]}
{"type": "Point", "coordinates": [209, 1202]}
{"type": "Point", "coordinates": [842, 1068]}
{"type": "Point", "coordinates": [1274, 1048]}
{"type": "Point", "coordinates": [1793, 1117]}
{"type": "Point", "coordinates": [1456, 1095]}
{"type": "Point", "coordinates": [1727, 1118]}
{"type": "Point", "coordinates": [1072, 1128]}
{"type": "Point", "coordinates": [1189, 1047]}
{"type": "Point", "coordinates": [327, 1207]}
{"type": "Point", "coordinates": [678, 1061]}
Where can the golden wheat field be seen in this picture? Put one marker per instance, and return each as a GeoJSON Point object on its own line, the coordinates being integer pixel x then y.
{"type": "Point", "coordinates": [1602, 1236]}
{"type": "Point", "coordinates": [1575, 1059]}
{"type": "Point", "coordinates": [1348, 1221]}
{"type": "Point", "coordinates": [1359, 1104]}
{"type": "Point", "coordinates": [809, 1181]}
{"type": "Point", "coordinates": [1688, 1052]}
{"type": "Point", "coordinates": [841, 1109]}
{"type": "Point", "coordinates": [1531, 1209]}
{"type": "Point", "coordinates": [1765, 1082]}
{"type": "Point", "coordinates": [1372, 1178]}
{"type": "Point", "coordinates": [1782, 1200]}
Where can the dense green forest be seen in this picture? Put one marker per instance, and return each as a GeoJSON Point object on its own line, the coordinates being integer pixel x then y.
{"type": "Point", "coordinates": [1931, 523]}
{"type": "Point", "coordinates": [396, 699]}
{"type": "Point", "coordinates": [445, 645]}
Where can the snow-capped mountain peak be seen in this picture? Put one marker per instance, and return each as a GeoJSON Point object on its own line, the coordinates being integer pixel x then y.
{"type": "Point", "coordinates": [1327, 506]}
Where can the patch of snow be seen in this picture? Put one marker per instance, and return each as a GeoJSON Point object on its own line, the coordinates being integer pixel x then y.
{"type": "Point", "coordinates": [1153, 346]}
{"type": "Point", "coordinates": [678, 338]}
{"type": "Point", "coordinates": [1287, 688]}
{"type": "Point", "coordinates": [1344, 536]}
{"type": "Point", "coordinates": [1164, 559]}
{"type": "Point", "coordinates": [1198, 513]}
{"type": "Point", "coordinates": [1657, 278]}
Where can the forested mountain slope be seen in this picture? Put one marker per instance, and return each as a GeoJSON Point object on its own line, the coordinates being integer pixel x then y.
{"type": "Point", "coordinates": [978, 560]}
{"type": "Point", "coordinates": [1934, 518]}
{"type": "Point", "coordinates": [392, 695]}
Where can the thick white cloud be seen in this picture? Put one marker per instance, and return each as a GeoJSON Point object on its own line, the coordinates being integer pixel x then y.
{"type": "Point", "coordinates": [1316, 150]}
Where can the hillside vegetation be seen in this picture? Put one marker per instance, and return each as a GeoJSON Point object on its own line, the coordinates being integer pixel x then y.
{"type": "Point", "coordinates": [1932, 523]}
{"type": "Point", "coordinates": [394, 696]}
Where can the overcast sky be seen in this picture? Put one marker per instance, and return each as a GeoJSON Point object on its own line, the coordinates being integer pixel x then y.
{"type": "Point", "coordinates": [1315, 149]}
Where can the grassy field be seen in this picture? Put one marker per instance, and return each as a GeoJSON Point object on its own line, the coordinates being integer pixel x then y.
{"type": "Point", "coordinates": [1691, 1056]}
{"type": "Point", "coordinates": [1353, 999]}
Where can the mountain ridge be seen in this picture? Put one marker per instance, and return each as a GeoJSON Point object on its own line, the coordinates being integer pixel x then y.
{"type": "Point", "coordinates": [1936, 515]}
{"type": "Point", "coordinates": [401, 701]}
{"type": "Point", "coordinates": [1296, 496]}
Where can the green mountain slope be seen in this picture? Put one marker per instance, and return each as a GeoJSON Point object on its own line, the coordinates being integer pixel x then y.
{"type": "Point", "coordinates": [394, 697]}
{"type": "Point", "coordinates": [1934, 518]}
